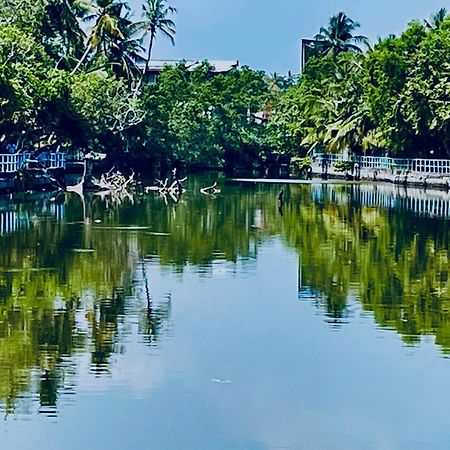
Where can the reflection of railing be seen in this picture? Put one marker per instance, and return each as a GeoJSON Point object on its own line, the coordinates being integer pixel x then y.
{"type": "Point", "coordinates": [13, 221]}
{"type": "Point", "coordinates": [436, 204]}
{"type": "Point", "coordinates": [9, 222]}
{"type": "Point", "coordinates": [14, 218]}
{"type": "Point", "coordinates": [10, 163]}
{"type": "Point", "coordinates": [436, 166]}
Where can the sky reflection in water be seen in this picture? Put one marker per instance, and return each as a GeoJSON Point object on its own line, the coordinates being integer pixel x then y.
{"type": "Point", "coordinates": [219, 323]}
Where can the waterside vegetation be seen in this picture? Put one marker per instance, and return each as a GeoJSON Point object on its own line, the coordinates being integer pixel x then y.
{"type": "Point", "coordinates": [73, 76]}
{"type": "Point", "coordinates": [391, 98]}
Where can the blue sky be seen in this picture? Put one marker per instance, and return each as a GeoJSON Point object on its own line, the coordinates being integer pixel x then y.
{"type": "Point", "coordinates": [265, 34]}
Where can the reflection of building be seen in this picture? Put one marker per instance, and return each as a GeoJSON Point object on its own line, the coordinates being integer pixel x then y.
{"type": "Point", "coordinates": [9, 222]}
{"type": "Point", "coordinates": [157, 66]}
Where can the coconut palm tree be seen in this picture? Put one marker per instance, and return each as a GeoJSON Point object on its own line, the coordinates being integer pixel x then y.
{"type": "Point", "coordinates": [106, 14]}
{"type": "Point", "coordinates": [338, 36]}
{"type": "Point", "coordinates": [156, 16]}
{"type": "Point", "coordinates": [275, 83]}
{"type": "Point", "coordinates": [125, 53]}
{"type": "Point", "coordinates": [64, 36]}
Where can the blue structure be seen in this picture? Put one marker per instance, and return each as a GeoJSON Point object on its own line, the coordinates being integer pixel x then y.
{"type": "Point", "coordinates": [13, 162]}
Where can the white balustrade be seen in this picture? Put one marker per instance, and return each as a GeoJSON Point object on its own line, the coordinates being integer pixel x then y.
{"type": "Point", "coordinates": [56, 161]}
{"type": "Point", "coordinates": [431, 166]}
{"type": "Point", "coordinates": [10, 163]}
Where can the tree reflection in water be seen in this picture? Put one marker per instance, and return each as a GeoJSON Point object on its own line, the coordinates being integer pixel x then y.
{"type": "Point", "coordinates": [67, 285]}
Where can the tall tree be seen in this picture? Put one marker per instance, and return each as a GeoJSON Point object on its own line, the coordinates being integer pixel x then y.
{"type": "Point", "coordinates": [125, 53]}
{"type": "Point", "coordinates": [61, 27]}
{"type": "Point", "coordinates": [106, 14]}
{"type": "Point", "coordinates": [156, 16]}
{"type": "Point", "coordinates": [338, 36]}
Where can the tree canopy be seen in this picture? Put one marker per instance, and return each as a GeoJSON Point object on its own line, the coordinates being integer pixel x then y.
{"type": "Point", "coordinates": [338, 36]}
{"type": "Point", "coordinates": [71, 75]}
{"type": "Point", "coordinates": [393, 98]}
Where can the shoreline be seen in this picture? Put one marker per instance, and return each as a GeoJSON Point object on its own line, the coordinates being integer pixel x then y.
{"type": "Point", "coordinates": [411, 179]}
{"type": "Point", "coordinates": [423, 181]}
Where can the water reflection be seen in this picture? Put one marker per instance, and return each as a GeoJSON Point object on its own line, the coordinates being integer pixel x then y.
{"type": "Point", "coordinates": [76, 278]}
{"type": "Point", "coordinates": [433, 203]}
{"type": "Point", "coordinates": [393, 260]}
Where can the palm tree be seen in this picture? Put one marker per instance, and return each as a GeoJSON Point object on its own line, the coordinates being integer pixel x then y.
{"type": "Point", "coordinates": [437, 19]}
{"type": "Point", "coordinates": [156, 15]}
{"type": "Point", "coordinates": [106, 14]}
{"type": "Point", "coordinates": [275, 83]}
{"type": "Point", "coordinates": [62, 29]}
{"type": "Point", "coordinates": [338, 36]}
{"type": "Point", "coordinates": [125, 53]}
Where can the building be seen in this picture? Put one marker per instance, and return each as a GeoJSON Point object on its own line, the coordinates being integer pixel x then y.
{"type": "Point", "coordinates": [156, 66]}
{"type": "Point", "coordinates": [308, 50]}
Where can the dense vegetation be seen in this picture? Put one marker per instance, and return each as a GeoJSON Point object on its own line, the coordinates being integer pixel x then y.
{"type": "Point", "coordinates": [394, 97]}
{"type": "Point", "coordinates": [72, 74]}
{"type": "Point", "coordinates": [72, 77]}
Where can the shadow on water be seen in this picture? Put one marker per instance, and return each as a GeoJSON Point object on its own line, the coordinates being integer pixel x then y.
{"type": "Point", "coordinates": [71, 287]}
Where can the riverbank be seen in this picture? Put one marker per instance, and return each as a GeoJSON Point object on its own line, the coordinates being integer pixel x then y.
{"type": "Point", "coordinates": [406, 172]}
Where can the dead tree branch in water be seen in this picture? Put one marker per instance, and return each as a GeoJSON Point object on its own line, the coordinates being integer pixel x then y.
{"type": "Point", "coordinates": [210, 190]}
{"type": "Point", "coordinates": [175, 189]}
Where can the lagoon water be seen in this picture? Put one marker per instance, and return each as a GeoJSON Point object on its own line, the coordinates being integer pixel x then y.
{"type": "Point", "coordinates": [226, 322]}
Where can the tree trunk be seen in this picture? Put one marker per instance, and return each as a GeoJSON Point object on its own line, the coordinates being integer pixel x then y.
{"type": "Point", "coordinates": [149, 55]}
{"type": "Point", "coordinates": [147, 62]}
{"type": "Point", "coordinates": [81, 61]}
{"type": "Point", "coordinates": [447, 150]}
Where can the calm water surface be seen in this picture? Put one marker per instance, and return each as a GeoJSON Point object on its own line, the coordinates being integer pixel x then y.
{"type": "Point", "coordinates": [226, 322]}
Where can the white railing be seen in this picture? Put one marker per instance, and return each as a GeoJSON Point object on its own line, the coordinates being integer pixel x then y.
{"type": "Point", "coordinates": [433, 165]}
{"type": "Point", "coordinates": [23, 158]}
{"type": "Point", "coordinates": [436, 166]}
{"type": "Point", "coordinates": [374, 162]}
{"type": "Point", "coordinates": [75, 156]}
{"type": "Point", "coordinates": [56, 161]}
{"type": "Point", "coordinates": [10, 163]}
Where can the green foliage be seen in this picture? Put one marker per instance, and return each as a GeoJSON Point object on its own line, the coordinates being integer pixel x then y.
{"type": "Point", "coordinates": [82, 86]}
{"type": "Point", "coordinates": [338, 37]}
{"type": "Point", "coordinates": [394, 98]}
{"type": "Point", "coordinates": [34, 93]}
{"type": "Point", "coordinates": [301, 166]}
{"type": "Point", "coordinates": [203, 119]}
{"type": "Point", "coordinates": [425, 97]}
{"type": "Point", "coordinates": [327, 110]}
{"type": "Point", "coordinates": [63, 86]}
{"type": "Point", "coordinates": [105, 107]}
{"type": "Point", "coordinates": [344, 166]}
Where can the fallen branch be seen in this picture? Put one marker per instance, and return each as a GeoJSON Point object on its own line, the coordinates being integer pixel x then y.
{"type": "Point", "coordinates": [176, 188]}
{"type": "Point", "coordinates": [115, 183]}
